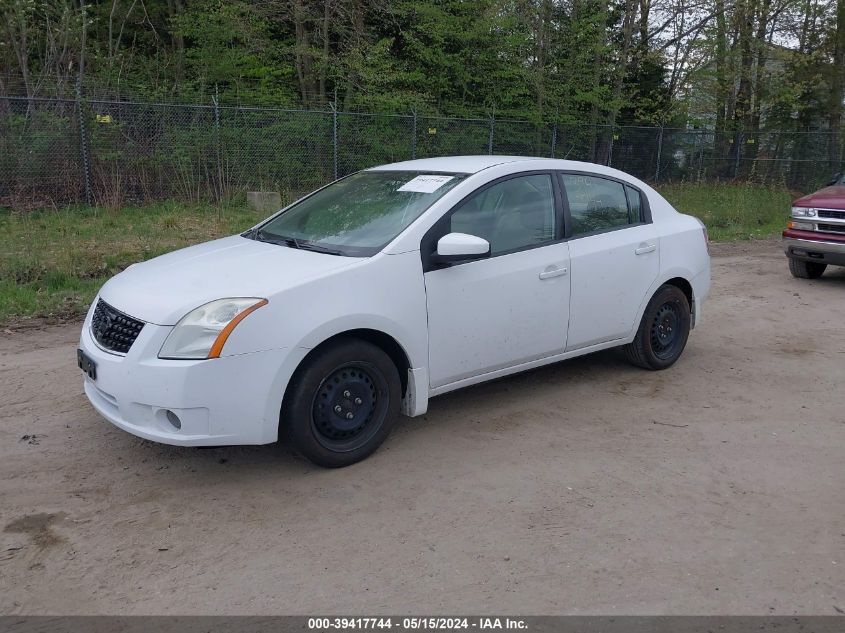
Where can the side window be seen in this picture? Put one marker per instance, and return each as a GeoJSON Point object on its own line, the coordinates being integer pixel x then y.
{"type": "Point", "coordinates": [595, 203]}
{"type": "Point", "coordinates": [513, 214]}
{"type": "Point", "coordinates": [635, 204]}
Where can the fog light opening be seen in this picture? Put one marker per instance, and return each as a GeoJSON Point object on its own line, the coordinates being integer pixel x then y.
{"type": "Point", "coordinates": [174, 420]}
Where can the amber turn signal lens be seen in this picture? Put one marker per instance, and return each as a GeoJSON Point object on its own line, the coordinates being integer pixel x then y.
{"type": "Point", "coordinates": [220, 341]}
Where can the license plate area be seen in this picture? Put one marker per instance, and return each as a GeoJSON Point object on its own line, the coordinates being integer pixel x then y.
{"type": "Point", "coordinates": [86, 364]}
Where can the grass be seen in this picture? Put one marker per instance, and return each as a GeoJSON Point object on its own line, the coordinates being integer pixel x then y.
{"type": "Point", "coordinates": [52, 262]}
{"type": "Point", "coordinates": [733, 212]}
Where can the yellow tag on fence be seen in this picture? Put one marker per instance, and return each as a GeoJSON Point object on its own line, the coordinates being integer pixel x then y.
{"type": "Point", "coordinates": [103, 118]}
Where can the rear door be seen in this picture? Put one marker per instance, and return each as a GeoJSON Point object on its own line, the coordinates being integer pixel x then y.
{"type": "Point", "coordinates": [615, 257]}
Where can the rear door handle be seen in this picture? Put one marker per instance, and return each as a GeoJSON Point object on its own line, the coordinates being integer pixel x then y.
{"type": "Point", "coordinates": [554, 272]}
{"type": "Point", "coordinates": [645, 248]}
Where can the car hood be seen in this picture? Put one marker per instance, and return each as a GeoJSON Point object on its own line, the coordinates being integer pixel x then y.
{"type": "Point", "coordinates": [832, 197]}
{"type": "Point", "coordinates": [164, 289]}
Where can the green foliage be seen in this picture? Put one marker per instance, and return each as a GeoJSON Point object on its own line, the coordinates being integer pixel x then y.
{"type": "Point", "coordinates": [536, 60]}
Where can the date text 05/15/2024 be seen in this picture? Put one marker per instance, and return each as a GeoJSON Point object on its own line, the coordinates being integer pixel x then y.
{"type": "Point", "coordinates": [415, 623]}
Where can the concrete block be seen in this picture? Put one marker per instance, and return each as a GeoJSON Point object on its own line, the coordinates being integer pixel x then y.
{"type": "Point", "coordinates": [264, 201]}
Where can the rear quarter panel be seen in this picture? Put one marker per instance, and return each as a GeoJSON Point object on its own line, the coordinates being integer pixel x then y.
{"type": "Point", "coordinates": [683, 252]}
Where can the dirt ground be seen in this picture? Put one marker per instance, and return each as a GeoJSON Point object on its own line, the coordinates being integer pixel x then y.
{"type": "Point", "coordinates": [587, 487]}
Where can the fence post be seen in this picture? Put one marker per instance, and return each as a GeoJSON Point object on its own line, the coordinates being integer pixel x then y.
{"type": "Point", "coordinates": [216, 101]}
{"type": "Point", "coordinates": [334, 139]}
{"type": "Point", "coordinates": [699, 137]}
{"type": "Point", "coordinates": [738, 153]}
{"type": "Point", "coordinates": [83, 143]}
{"type": "Point", "coordinates": [610, 149]}
{"type": "Point", "coordinates": [414, 136]}
{"type": "Point", "coordinates": [554, 138]}
{"type": "Point", "coordinates": [659, 152]}
{"type": "Point", "coordinates": [490, 137]}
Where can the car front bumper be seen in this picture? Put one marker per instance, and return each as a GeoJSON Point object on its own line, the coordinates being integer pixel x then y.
{"type": "Point", "coordinates": [226, 400]}
{"type": "Point", "coordinates": [813, 246]}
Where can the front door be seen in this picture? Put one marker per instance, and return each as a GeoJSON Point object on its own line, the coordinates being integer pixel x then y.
{"type": "Point", "coordinates": [512, 307]}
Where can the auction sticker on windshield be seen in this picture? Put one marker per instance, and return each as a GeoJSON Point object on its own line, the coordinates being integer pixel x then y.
{"type": "Point", "coordinates": [427, 183]}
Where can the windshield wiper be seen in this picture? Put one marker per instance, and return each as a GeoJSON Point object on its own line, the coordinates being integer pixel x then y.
{"type": "Point", "coordinates": [311, 246]}
{"type": "Point", "coordinates": [292, 242]}
{"type": "Point", "coordinates": [281, 240]}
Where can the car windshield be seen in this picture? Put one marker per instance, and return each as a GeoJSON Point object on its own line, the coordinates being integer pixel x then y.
{"type": "Point", "coordinates": [358, 215]}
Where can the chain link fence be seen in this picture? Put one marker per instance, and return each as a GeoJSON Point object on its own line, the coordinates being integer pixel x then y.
{"type": "Point", "coordinates": [62, 150]}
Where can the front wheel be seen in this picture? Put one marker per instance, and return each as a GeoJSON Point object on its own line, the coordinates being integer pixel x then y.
{"type": "Point", "coordinates": [804, 269]}
{"type": "Point", "coordinates": [663, 331]}
{"type": "Point", "coordinates": [343, 403]}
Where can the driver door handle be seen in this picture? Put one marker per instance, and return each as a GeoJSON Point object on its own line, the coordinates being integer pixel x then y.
{"type": "Point", "coordinates": [554, 272]}
{"type": "Point", "coordinates": [645, 248]}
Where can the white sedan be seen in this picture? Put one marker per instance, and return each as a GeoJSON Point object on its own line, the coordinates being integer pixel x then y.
{"type": "Point", "coordinates": [379, 291]}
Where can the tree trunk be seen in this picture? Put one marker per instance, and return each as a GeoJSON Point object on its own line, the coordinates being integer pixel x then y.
{"type": "Point", "coordinates": [742, 109]}
{"type": "Point", "coordinates": [837, 92]}
{"type": "Point", "coordinates": [17, 32]}
{"type": "Point", "coordinates": [356, 47]}
{"type": "Point", "coordinates": [721, 77]}
{"type": "Point", "coordinates": [542, 45]}
{"type": "Point", "coordinates": [174, 8]}
{"type": "Point", "coordinates": [83, 42]}
{"type": "Point", "coordinates": [645, 12]}
{"type": "Point", "coordinates": [327, 14]}
{"type": "Point", "coordinates": [622, 67]}
{"type": "Point", "coordinates": [303, 53]}
{"type": "Point", "coordinates": [758, 83]}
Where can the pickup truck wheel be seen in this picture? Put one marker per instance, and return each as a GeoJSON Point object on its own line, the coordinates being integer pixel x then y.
{"type": "Point", "coordinates": [342, 403]}
{"type": "Point", "coordinates": [804, 269]}
{"type": "Point", "coordinates": [663, 331]}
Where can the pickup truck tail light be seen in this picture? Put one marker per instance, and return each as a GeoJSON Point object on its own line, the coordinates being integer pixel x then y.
{"type": "Point", "coordinates": [706, 238]}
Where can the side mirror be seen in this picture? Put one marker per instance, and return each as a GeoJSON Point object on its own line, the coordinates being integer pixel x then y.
{"type": "Point", "coordinates": [837, 179]}
{"type": "Point", "coordinates": [459, 247]}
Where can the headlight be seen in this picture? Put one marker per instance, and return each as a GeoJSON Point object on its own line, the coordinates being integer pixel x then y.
{"type": "Point", "coordinates": [803, 212]}
{"type": "Point", "coordinates": [202, 332]}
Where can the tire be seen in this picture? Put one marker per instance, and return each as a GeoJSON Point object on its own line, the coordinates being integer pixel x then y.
{"type": "Point", "coordinates": [342, 403]}
{"type": "Point", "coordinates": [805, 270]}
{"type": "Point", "coordinates": [663, 332]}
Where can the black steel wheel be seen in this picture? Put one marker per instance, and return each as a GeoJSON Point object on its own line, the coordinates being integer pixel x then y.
{"type": "Point", "coordinates": [349, 406]}
{"type": "Point", "coordinates": [341, 403]}
{"type": "Point", "coordinates": [664, 330]}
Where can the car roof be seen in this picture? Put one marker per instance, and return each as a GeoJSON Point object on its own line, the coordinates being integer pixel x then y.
{"type": "Point", "coordinates": [453, 164]}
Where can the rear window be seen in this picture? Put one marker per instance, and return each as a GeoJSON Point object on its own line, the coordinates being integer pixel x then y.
{"type": "Point", "coordinates": [595, 204]}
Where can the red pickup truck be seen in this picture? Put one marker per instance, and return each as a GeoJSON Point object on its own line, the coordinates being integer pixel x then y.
{"type": "Point", "coordinates": [815, 234]}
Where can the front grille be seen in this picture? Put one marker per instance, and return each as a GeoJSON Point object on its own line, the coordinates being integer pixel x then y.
{"type": "Point", "coordinates": [832, 228]}
{"type": "Point", "coordinates": [828, 213]}
{"type": "Point", "coordinates": [114, 330]}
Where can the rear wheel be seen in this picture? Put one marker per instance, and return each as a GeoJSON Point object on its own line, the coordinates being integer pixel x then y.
{"type": "Point", "coordinates": [342, 403]}
{"type": "Point", "coordinates": [804, 269]}
{"type": "Point", "coordinates": [663, 332]}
